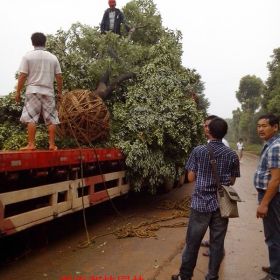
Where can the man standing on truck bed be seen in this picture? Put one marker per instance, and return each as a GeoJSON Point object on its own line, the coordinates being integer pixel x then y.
{"type": "Point", "coordinates": [39, 68]}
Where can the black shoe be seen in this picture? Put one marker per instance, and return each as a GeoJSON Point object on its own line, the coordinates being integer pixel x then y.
{"type": "Point", "coordinates": [176, 277]}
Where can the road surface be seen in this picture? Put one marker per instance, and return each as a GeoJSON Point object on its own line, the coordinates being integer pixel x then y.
{"type": "Point", "coordinates": [53, 251]}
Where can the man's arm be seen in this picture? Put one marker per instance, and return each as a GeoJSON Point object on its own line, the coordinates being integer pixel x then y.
{"type": "Point", "coordinates": [235, 171]}
{"type": "Point", "coordinates": [59, 81]}
{"type": "Point", "coordinates": [232, 180]}
{"type": "Point", "coordinates": [272, 189]}
{"type": "Point", "coordinates": [21, 81]}
{"type": "Point", "coordinates": [123, 21]}
{"type": "Point", "coordinates": [103, 22]}
{"type": "Point", "coordinates": [191, 176]}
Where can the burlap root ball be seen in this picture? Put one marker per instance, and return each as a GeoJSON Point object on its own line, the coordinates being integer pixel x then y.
{"type": "Point", "coordinates": [83, 115]}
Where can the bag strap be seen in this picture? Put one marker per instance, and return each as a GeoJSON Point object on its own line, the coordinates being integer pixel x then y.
{"type": "Point", "coordinates": [214, 168]}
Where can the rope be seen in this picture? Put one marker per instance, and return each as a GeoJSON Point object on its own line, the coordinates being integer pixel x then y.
{"type": "Point", "coordinates": [142, 230]}
{"type": "Point", "coordinates": [82, 181]}
{"type": "Point", "coordinates": [147, 229]}
{"type": "Point", "coordinates": [89, 240]}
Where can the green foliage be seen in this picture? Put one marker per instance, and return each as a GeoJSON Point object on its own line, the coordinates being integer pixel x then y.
{"type": "Point", "coordinates": [256, 98]}
{"type": "Point", "coordinates": [144, 17]}
{"type": "Point", "coordinates": [254, 149]}
{"type": "Point", "coordinates": [11, 132]}
{"type": "Point", "coordinates": [271, 99]}
{"type": "Point", "coordinates": [250, 91]}
{"type": "Point", "coordinates": [156, 127]}
{"type": "Point", "coordinates": [9, 110]}
{"type": "Point", "coordinates": [13, 136]}
{"type": "Point", "coordinates": [155, 120]}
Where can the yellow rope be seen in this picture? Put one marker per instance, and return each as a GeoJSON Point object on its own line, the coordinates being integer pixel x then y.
{"type": "Point", "coordinates": [147, 229]}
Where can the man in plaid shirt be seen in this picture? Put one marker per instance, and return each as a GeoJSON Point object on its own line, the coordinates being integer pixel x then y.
{"type": "Point", "coordinates": [267, 183]}
{"type": "Point", "coordinates": [204, 207]}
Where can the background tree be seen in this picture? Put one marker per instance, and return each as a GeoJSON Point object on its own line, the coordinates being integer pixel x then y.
{"type": "Point", "coordinates": [234, 131]}
{"type": "Point", "coordinates": [249, 95]}
{"type": "Point", "coordinates": [271, 98]}
{"type": "Point", "coordinates": [256, 98]}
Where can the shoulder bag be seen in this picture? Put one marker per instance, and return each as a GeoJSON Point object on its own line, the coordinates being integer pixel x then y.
{"type": "Point", "coordinates": [227, 196]}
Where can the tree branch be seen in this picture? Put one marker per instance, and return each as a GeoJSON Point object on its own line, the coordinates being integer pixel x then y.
{"type": "Point", "coordinates": [104, 91]}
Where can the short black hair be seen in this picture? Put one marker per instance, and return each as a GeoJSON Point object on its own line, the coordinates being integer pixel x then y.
{"type": "Point", "coordinates": [272, 119]}
{"type": "Point", "coordinates": [218, 128]}
{"type": "Point", "coordinates": [211, 117]}
{"type": "Point", "coordinates": [38, 39]}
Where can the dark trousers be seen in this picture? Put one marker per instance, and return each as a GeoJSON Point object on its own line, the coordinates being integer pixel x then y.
{"type": "Point", "coordinates": [271, 224]}
{"type": "Point", "coordinates": [198, 224]}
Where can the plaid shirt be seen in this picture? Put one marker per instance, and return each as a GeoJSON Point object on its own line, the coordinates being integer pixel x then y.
{"type": "Point", "coordinates": [204, 198]}
{"type": "Point", "coordinates": [270, 158]}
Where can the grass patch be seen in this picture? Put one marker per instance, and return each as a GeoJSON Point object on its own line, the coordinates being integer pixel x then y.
{"type": "Point", "coordinates": [249, 148]}
{"type": "Point", "coordinates": [254, 149]}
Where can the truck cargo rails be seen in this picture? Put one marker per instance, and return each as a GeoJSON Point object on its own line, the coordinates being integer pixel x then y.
{"type": "Point", "coordinates": [38, 186]}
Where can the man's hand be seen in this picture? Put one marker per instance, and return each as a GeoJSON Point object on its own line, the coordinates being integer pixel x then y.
{"type": "Point", "coordinates": [132, 30]}
{"type": "Point", "coordinates": [17, 97]}
{"type": "Point", "coordinates": [21, 80]}
{"type": "Point", "coordinates": [58, 98]}
{"type": "Point", "coordinates": [272, 190]}
{"type": "Point", "coordinates": [262, 211]}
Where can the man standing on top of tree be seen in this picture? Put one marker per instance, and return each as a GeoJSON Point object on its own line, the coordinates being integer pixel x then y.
{"type": "Point", "coordinates": [112, 20]}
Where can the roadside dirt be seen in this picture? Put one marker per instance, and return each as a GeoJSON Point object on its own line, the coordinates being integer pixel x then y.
{"type": "Point", "coordinates": [52, 251]}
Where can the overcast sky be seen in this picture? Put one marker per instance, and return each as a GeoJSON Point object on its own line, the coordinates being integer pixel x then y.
{"type": "Point", "coordinates": [223, 40]}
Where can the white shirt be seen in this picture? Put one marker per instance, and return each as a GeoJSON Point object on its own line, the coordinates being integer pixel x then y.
{"type": "Point", "coordinates": [41, 67]}
{"type": "Point", "coordinates": [225, 142]}
{"type": "Point", "coordinates": [240, 146]}
{"type": "Point", "coordinates": [112, 19]}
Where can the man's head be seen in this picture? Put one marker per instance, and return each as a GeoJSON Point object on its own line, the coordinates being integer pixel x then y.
{"type": "Point", "coordinates": [267, 126]}
{"type": "Point", "coordinates": [218, 128]}
{"type": "Point", "coordinates": [112, 4]}
{"type": "Point", "coordinates": [38, 39]}
{"type": "Point", "coordinates": [206, 124]}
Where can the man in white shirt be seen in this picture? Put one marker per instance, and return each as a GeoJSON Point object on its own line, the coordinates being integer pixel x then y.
{"type": "Point", "coordinates": [39, 68]}
{"type": "Point", "coordinates": [240, 148]}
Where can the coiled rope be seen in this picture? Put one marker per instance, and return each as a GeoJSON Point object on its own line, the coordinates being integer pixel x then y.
{"type": "Point", "coordinates": [148, 229]}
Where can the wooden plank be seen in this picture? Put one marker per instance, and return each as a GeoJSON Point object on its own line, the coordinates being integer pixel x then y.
{"type": "Point", "coordinates": [71, 204]}
{"type": "Point", "coordinates": [28, 217]}
{"type": "Point", "coordinates": [117, 191]}
{"type": "Point", "coordinates": [30, 193]}
{"type": "Point", "coordinates": [12, 230]}
{"type": "Point", "coordinates": [78, 203]}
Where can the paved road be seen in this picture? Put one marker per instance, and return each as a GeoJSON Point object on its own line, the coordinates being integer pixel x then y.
{"type": "Point", "coordinates": [135, 258]}
{"type": "Point", "coordinates": [245, 248]}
